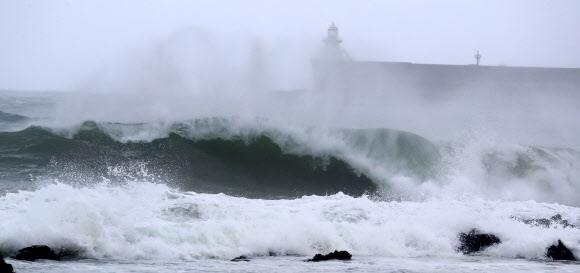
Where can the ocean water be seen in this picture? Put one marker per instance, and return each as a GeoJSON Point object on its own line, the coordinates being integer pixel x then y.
{"type": "Point", "coordinates": [190, 194]}
{"type": "Point", "coordinates": [297, 264]}
{"type": "Point", "coordinates": [144, 227]}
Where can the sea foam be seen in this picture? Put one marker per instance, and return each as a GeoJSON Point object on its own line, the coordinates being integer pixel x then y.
{"type": "Point", "coordinates": [142, 220]}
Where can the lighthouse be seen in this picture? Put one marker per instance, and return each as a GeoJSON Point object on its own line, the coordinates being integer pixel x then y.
{"type": "Point", "coordinates": [332, 50]}
{"type": "Point", "coordinates": [331, 63]}
{"type": "Point", "coordinates": [332, 38]}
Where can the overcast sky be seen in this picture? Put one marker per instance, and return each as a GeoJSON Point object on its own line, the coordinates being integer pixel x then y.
{"type": "Point", "coordinates": [53, 44]}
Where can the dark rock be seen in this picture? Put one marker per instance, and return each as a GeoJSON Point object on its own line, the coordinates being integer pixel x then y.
{"type": "Point", "coordinates": [475, 241]}
{"type": "Point", "coordinates": [5, 267]}
{"type": "Point", "coordinates": [36, 252]}
{"type": "Point", "coordinates": [555, 220]}
{"type": "Point", "coordinates": [240, 259]}
{"type": "Point", "coordinates": [560, 252]}
{"type": "Point", "coordinates": [336, 255]}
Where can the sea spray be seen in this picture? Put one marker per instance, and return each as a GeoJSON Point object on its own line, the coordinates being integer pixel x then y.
{"type": "Point", "coordinates": [142, 220]}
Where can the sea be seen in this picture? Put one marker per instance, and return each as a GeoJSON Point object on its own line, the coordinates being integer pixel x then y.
{"type": "Point", "coordinates": [189, 193]}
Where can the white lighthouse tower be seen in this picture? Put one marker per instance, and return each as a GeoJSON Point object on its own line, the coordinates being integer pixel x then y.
{"type": "Point", "coordinates": [332, 39]}
{"type": "Point", "coordinates": [331, 64]}
{"type": "Point", "coordinates": [332, 50]}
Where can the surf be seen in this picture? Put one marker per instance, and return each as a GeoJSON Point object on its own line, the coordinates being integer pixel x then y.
{"type": "Point", "coordinates": [149, 221]}
{"type": "Point", "coordinates": [214, 155]}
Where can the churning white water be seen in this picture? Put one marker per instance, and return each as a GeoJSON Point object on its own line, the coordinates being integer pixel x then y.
{"type": "Point", "coordinates": [142, 220]}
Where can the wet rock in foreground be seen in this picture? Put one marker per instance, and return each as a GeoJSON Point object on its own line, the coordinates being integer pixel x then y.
{"type": "Point", "coordinates": [5, 267]}
{"type": "Point", "coordinates": [240, 259]}
{"type": "Point", "coordinates": [560, 252]}
{"type": "Point", "coordinates": [474, 241]}
{"type": "Point", "coordinates": [336, 255]}
{"type": "Point", "coordinates": [36, 252]}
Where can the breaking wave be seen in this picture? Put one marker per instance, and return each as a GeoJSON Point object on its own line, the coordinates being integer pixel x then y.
{"type": "Point", "coordinates": [142, 220]}
{"type": "Point", "coordinates": [218, 155]}
{"type": "Point", "coordinates": [259, 159]}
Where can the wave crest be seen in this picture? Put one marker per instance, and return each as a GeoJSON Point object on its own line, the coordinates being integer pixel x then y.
{"type": "Point", "coordinates": [219, 155]}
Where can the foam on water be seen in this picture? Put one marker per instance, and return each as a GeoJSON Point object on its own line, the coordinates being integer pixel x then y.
{"type": "Point", "coordinates": [141, 220]}
{"type": "Point", "coordinates": [361, 264]}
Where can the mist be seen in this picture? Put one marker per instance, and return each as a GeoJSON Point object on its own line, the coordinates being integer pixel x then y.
{"type": "Point", "coordinates": [55, 44]}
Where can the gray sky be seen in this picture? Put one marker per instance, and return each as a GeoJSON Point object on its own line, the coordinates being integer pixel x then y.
{"type": "Point", "coordinates": [55, 44]}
